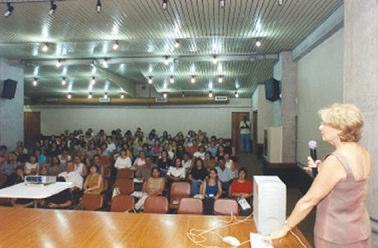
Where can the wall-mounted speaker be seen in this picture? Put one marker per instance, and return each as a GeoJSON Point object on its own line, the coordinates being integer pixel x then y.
{"type": "Point", "coordinates": [9, 89]}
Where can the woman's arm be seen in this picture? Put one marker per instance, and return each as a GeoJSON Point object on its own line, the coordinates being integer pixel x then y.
{"type": "Point", "coordinates": [329, 175]}
{"type": "Point", "coordinates": [98, 186]}
{"type": "Point", "coordinates": [203, 187]}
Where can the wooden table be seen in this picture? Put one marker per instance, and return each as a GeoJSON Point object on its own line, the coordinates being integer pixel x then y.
{"type": "Point", "coordinates": [21, 227]}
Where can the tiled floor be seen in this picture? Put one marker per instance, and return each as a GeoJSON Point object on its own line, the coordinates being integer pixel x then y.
{"type": "Point", "coordinates": [254, 167]}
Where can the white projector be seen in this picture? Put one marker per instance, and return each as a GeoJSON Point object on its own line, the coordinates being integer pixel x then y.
{"type": "Point", "coordinates": [40, 179]}
{"type": "Point", "coordinates": [269, 204]}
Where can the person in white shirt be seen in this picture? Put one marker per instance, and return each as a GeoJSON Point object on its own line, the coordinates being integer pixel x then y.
{"type": "Point", "coordinates": [71, 175]}
{"type": "Point", "coordinates": [186, 162]}
{"type": "Point", "coordinates": [64, 157]}
{"type": "Point", "coordinates": [79, 166]}
{"type": "Point", "coordinates": [176, 173]}
{"type": "Point", "coordinates": [31, 167]}
{"type": "Point", "coordinates": [231, 165]}
{"type": "Point", "coordinates": [245, 135]}
{"type": "Point", "coordinates": [111, 147]}
{"type": "Point", "coordinates": [140, 161]}
{"type": "Point", "coordinates": [200, 153]}
{"type": "Point", "coordinates": [123, 161]}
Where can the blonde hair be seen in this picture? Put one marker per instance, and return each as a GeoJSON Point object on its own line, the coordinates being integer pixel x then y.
{"type": "Point", "coordinates": [345, 117]}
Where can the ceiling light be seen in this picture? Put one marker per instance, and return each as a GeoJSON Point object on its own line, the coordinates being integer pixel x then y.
{"type": "Point", "coordinates": [166, 60]}
{"type": "Point", "coordinates": [258, 43]}
{"type": "Point", "coordinates": [9, 10]}
{"type": "Point", "coordinates": [35, 81]}
{"type": "Point", "coordinates": [177, 44]}
{"type": "Point", "coordinates": [106, 95]}
{"type": "Point", "coordinates": [280, 2]}
{"type": "Point", "coordinates": [193, 79]}
{"type": "Point", "coordinates": [172, 79]}
{"type": "Point", "coordinates": [115, 45]}
{"type": "Point", "coordinates": [93, 62]}
{"type": "Point", "coordinates": [150, 80]}
{"type": "Point", "coordinates": [165, 95]}
{"type": "Point", "coordinates": [122, 96]}
{"type": "Point", "coordinates": [105, 63]}
{"type": "Point", "coordinates": [52, 8]}
{"type": "Point", "coordinates": [69, 96]}
{"type": "Point", "coordinates": [45, 47]}
{"type": "Point", "coordinates": [222, 3]}
{"type": "Point", "coordinates": [210, 94]}
{"type": "Point", "coordinates": [236, 94]}
{"type": "Point", "coordinates": [90, 95]}
{"type": "Point", "coordinates": [93, 80]}
{"type": "Point", "coordinates": [98, 6]}
{"type": "Point", "coordinates": [63, 82]}
{"type": "Point", "coordinates": [164, 4]}
{"type": "Point", "coordinates": [58, 63]}
{"type": "Point", "coordinates": [220, 79]}
{"type": "Point", "coordinates": [215, 60]}
{"type": "Point", "coordinates": [183, 94]}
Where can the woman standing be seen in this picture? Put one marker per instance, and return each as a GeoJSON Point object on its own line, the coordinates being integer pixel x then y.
{"type": "Point", "coordinates": [339, 190]}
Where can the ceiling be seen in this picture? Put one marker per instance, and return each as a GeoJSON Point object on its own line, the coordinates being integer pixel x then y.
{"type": "Point", "coordinates": [146, 33]}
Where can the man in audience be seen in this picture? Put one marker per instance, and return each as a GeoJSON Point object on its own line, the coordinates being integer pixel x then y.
{"type": "Point", "coordinates": [176, 173]}
{"type": "Point", "coordinates": [224, 174]}
{"type": "Point", "coordinates": [72, 176]}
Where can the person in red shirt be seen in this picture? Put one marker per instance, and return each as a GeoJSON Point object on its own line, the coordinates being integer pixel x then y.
{"type": "Point", "coordinates": [242, 188]}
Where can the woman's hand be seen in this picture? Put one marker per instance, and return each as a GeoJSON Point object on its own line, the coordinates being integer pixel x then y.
{"type": "Point", "coordinates": [279, 234]}
{"type": "Point", "coordinates": [311, 164]}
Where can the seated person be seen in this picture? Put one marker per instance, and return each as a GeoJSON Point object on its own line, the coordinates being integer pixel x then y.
{"type": "Point", "coordinates": [211, 189]}
{"type": "Point", "coordinates": [225, 174]}
{"type": "Point", "coordinates": [141, 160]}
{"type": "Point", "coordinates": [8, 168]}
{"type": "Point", "coordinates": [41, 159]}
{"type": "Point", "coordinates": [64, 157]}
{"type": "Point", "coordinates": [200, 153]}
{"type": "Point", "coordinates": [16, 178]}
{"type": "Point", "coordinates": [94, 183]}
{"type": "Point", "coordinates": [186, 161]}
{"type": "Point", "coordinates": [55, 167]}
{"type": "Point", "coordinates": [154, 186]}
{"type": "Point", "coordinates": [210, 162]}
{"type": "Point", "coordinates": [176, 173]}
{"type": "Point", "coordinates": [31, 166]}
{"type": "Point", "coordinates": [79, 166]}
{"type": "Point", "coordinates": [242, 188]}
{"type": "Point", "coordinates": [164, 162]}
{"type": "Point", "coordinates": [144, 171]}
{"type": "Point", "coordinates": [70, 175]}
{"type": "Point", "coordinates": [230, 164]}
{"type": "Point", "coordinates": [196, 176]}
{"type": "Point", "coordinates": [60, 200]}
{"type": "Point", "coordinates": [123, 161]}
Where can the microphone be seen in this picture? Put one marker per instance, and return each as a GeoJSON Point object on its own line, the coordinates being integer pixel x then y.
{"type": "Point", "coordinates": [312, 145]}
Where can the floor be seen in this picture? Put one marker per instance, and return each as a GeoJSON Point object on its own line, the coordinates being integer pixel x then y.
{"type": "Point", "coordinates": [254, 167]}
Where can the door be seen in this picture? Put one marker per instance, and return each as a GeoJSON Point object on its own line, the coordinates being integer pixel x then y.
{"type": "Point", "coordinates": [254, 132]}
{"type": "Point", "coordinates": [32, 127]}
{"type": "Point", "coordinates": [237, 117]}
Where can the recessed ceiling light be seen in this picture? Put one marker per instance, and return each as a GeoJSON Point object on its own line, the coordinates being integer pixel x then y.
{"type": "Point", "coordinates": [172, 79]}
{"type": "Point", "coordinates": [220, 79]}
{"type": "Point", "coordinates": [150, 80]}
{"type": "Point", "coordinates": [164, 4]}
{"type": "Point", "coordinates": [106, 95]}
{"type": "Point", "coordinates": [52, 8]}
{"type": "Point", "coordinates": [210, 94]}
{"type": "Point", "coordinates": [105, 63]}
{"type": "Point", "coordinates": [193, 79]}
{"type": "Point", "coordinates": [93, 80]}
{"type": "Point", "coordinates": [64, 81]}
{"type": "Point", "coordinates": [167, 59]}
{"type": "Point", "coordinates": [59, 63]}
{"type": "Point", "coordinates": [45, 47]}
{"type": "Point", "coordinates": [236, 94]}
{"type": "Point", "coordinates": [165, 95]}
{"type": "Point", "coordinates": [98, 6]}
{"type": "Point", "coordinates": [122, 96]}
{"type": "Point", "coordinates": [115, 45]}
{"type": "Point", "coordinates": [215, 60]}
{"type": "Point", "coordinates": [69, 96]}
{"type": "Point", "coordinates": [90, 95]}
{"type": "Point", "coordinates": [35, 81]}
{"type": "Point", "coordinates": [177, 44]}
{"type": "Point", "coordinates": [183, 94]}
{"type": "Point", "coordinates": [258, 43]}
{"type": "Point", "coordinates": [222, 3]}
{"type": "Point", "coordinates": [280, 2]}
{"type": "Point", "coordinates": [9, 10]}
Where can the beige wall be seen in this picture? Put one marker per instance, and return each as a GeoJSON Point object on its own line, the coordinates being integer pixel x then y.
{"type": "Point", "coordinates": [214, 119]}
{"type": "Point", "coordinates": [320, 83]}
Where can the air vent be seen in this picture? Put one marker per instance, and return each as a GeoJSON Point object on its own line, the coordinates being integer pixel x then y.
{"type": "Point", "coordinates": [161, 100]}
{"type": "Point", "coordinates": [104, 100]}
{"type": "Point", "coordinates": [221, 98]}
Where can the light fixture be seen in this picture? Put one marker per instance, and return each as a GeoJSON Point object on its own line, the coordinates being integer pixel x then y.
{"type": "Point", "coordinates": [236, 94]}
{"type": "Point", "coordinates": [193, 79]}
{"type": "Point", "coordinates": [93, 80]}
{"type": "Point", "coordinates": [177, 44]}
{"type": "Point", "coordinates": [222, 3]}
{"type": "Point", "coordinates": [9, 10]}
{"type": "Point", "coordinates": [280, 2]}
{"type": "Point", "coordinates": [150, 80]}
{"type": "Point", "coordinates": [165, 95]}
{"type": "Point", "coordinates": [35, 81]}
{"type": "Point", "coordinates": [220, 79]}
{"type": "Point", "coordinates": [106, 95]}
{"type": "Point", "coordinates": [172, 79]}
{"type": "Point", "coordinates": [183, 94]}
{"type": "Point", "coordinates": [122, 96]}
{"type": "Point", "coordinates": [53, 8]}
{"type": "Point", "coordinates": [105, 63]}
{"type": "Point", "coordinates": [98, 6]}
{"type": "Point", "coordinates": [64, 81]}
{"type": "Point", "coordinates": [166, 60]}
{"type": "Point", "coordinates": [58, 63]}
{"type": "Point", "coordinates": [215, 60]}
{"type": "Point", "coordinates": [164, 4]}
{"type": "Point", "coordinates": [258, 43]}
{"type": "Point", "coordinates": [210, 94]}
{"type": "Point", "coordinates": [93, 62]}
{"type": "Point", "coordinates": [45, 47]}
{"type": "Point", "coordinates": [115, 45]}
{"type": "Point", "coordinates": [69, 96]}
{"type": "Point", "coordinates": [90, 95]}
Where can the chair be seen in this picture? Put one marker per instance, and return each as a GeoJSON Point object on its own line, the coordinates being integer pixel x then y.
{"type": "Point", "coordinates": [122, 203]}
{"type": "Point", "coordinates": [226, 207]}
{"type": "Point", "coordinates": [126, 186]}
{"type": "Point", "coordinates": [92, 201]}
{"type": "Point", "coordinates": [179, 190]}
{"type": "Point", "coordinates": [190, 206]}
{"type": "Point", "coordinates": [125, 173]}
{"type": "Point", "coordinates": [156, 204]}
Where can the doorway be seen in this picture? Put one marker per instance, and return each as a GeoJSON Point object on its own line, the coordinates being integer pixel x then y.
{"type": "Point", "coordinates": [32, 127]}
{"type": "Point", "coordinates": [237, 117]}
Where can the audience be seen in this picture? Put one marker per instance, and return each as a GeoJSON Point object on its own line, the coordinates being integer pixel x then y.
{"type": "Point", "coordinates": [93, 183]}
{"type": "Point", "coordinates": [31, 166]}
{"type": "Point", "coordinates": [154, 186]}
{"type": "Point", "coordinates": [123, 161]}
{"type": "Point", "coordinates": [176, 173]}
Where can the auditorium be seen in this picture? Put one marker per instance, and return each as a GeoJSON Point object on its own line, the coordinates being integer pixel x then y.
{"type": "Point", "coordinates": [188, 123]}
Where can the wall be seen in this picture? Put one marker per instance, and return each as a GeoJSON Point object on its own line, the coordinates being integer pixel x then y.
{"type": "Point", "coordinates": [320, 83]}
{"type": "Point", "coordinates": [11, 111]}
{"type": "Point", "coordinates": [214, 119]}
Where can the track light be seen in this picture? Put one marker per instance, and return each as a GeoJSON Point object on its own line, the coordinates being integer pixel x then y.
{"type": "Point", "coordinates": [210, 94]}
{"type": "Point", "coordinates": [215, 60]}
{"type": "Point", "coordinates": [69, 96]}
{"type": "Point", "coordinates": [122, 96]}
{"type": "Point", "coordinates": [280, 2]}
{"type": "Point", "coordinates": [35, 81]}
{"type": "Point", "coordinates": [59, 63]}
{"type": "Point", "coordinates": [9, 10]}
{"type": "Point", "coordinates": [64, 81]}
{"type": "Point", "coordinates": [193, 79]}
{"type": "Point", "coordinates": [236, 94]}
{"type": "Point", "coordinates": [150, 80]}
{"type": "Point", "coordinates": [222, 3]}
{"type": "Point", "coordinates": [220, 79]}
{"type": "Point", "coordinates": [183, 94]}
{"type": "Point", "coordinates": [98, 6]}
{"type": "Point", "coordinates": [177, 44]}
{"type": "Point", "coordinates": [45, 47]}
{"type": "Point", "coordinates": [165, 95]}
{"type": "Point", "coordinates": [105, 63]}
{"type": "Point", "coordinates": [106, 95]}
{"type": "Point", "coordinates": [52, 8]}
{"type": "Point", "coordinates": [90, 95]}
{"type": "Point", "coordinates": [258, 43]}
{"type": "Point", "coordinates": [115, 45]}
{"type": "Point", "coordinates": [172, 79]}
{"type": "Point", "coordinates": [93, 80]}
{"type": "Point", "coordinates": [167, 60]}
{"type": "Point", "coordinates": [164, 4]}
